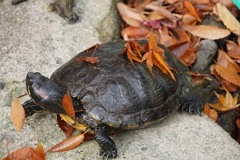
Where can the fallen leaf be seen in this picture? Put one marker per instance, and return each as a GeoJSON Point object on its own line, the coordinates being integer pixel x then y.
{"type": "Point", "coordinates": [133, 51]}
{"type": "Point", "coordinates": [155, 56]}
{"type": "Point", "coordinates": [234, 52]}
{"type": "Point", "coordinates": [164, 12]}
{"type": "Point", "coordinates": [134, 32]}
{"type": "Point", "coordinates": [225, 103]}
{"type": "Point", "coordinates": [207, 32]}
{"type": "Point", "coordinates": [68, 106]}
{"type": "Point", "coordinates": [17, 114]}
{"type": "Point", "coordinates": [65, 127]}
{"type": "Point", "coordinates": [40, 151]}
{"type": "Point", "coordinates": [179, 49]}
{"type": "Point", "coordinates": [231, 44]}
{"type": "Point", "coordinates": [228, 19]}
{"type": "Point", "coordinates": [192, 10]}
{"type": "Point", "coordinates": [211, 113]}
{"type": "Point", "coordinates": [228, 74]}
{"type": "Point", "coordinates": [27, 154]}
{"type": "Point", "coordinates": [92, 60]}
{"type": "Point", "coordinates": [189, 57]}
{"type": "Point", "coordinates": [68, 144]}
{"type": "Point", "coordinates": [229, 86]}
{"type": "Point", "coordinates": [238, 125]}
{"type": "Point", "coordinates": [129, 15]}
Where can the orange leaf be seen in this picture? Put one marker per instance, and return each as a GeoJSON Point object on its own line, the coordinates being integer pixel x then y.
{"type": "Point", "coordinates": [165, 65]}
{"type": "Point", "coordinates": [17, 114]}
{"type": "Point", "coordinates": [134, 31]}
{"type": "Point", "coordinates": [189, 57]}
{"type": "Point", "coordinates": [148, 57]}
{"type": "Point", "coordinates": [192, 10]}
{"type": "Point", "coordinates": [68, 106]}
{"type": "Point", "coordinates": [80, 59]}
{"type": "Point", "coordinates": [27, 153]}
{"type": "Point", "coordinates": [133, 51]}
{"type": "Point", "coordinates": [65, 127]}
{"type": "Point", "coordinates": [92, 60]}
{"type": "Point", "coordinates": [211, 113]}
{"type": "Point", "coordinates": [68, 144]}
{"type": "Point", "coordinates": [156, 52]}
{"type": "Point", "coordinates": [207, 32]}
{"type": "Point", "coordinates": [225, 103]}
{"type": "Point", "coordinates": [40, 151]}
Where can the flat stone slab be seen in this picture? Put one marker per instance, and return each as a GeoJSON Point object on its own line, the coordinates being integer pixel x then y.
{"type": "Point", "coordinates": [178, 137]}
{"type": "Point", "coordinates": [33, 39]}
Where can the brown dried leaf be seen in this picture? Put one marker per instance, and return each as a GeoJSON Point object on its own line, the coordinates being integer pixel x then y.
{"type": "Point", "coordinates": [211, 113]}
{"type": "Point", "coordinates": [225, 61]}
{"type": "Point", "coordinates": [234, 52]}
{"type": "Point", "coordinates": [17, 114]}
{"type": "Point", "coordinates": [65, 127]}
{"type": "Point", "coordinates": [68, 144]}
{"type": "Point", "coordinates": [68, 106]}
{"type": "Point", "coordinates": [228, 19]}
{"type": "Point", "coordinates": [229, 86]}
{"type": "Point", "coordinates": [231, 44]}
{"type": "Point", "coordinates": [228, 75]}
{"type": "Point", "coordinates": [238, 125]}
{"type": "Point", "coordinates": [164, 12]}
{"type": "Point", "coordinates": [207, 32]}
{"type": "Point", "coordinates": [129, 13]}
{"type": "Point", "coordinates": [179, 49]}
{"type": "Point", "coordinates": [189, 57]}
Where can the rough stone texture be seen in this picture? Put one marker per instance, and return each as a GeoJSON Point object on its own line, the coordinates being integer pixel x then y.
{"type": "Point", "coordinates": [32, 39]}
{"type": "Point", "coordinates": [207, 50]}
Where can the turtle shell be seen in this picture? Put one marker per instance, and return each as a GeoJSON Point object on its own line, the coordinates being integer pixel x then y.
{"type": "Point", "coordinates": [119, 94]}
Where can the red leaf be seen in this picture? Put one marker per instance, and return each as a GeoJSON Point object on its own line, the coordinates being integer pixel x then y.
{"type": "Point", "coordinates": [68, 106]}
{"type": "Point", "coordinates": [65, 127]}
{"type": "Point", "coordinates": [67, 144]}
{"type": "Point", "coordinates": [92, 60]}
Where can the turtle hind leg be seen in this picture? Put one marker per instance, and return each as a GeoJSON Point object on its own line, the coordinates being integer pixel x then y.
{"type": "Point", "coordinates": [108, 147]}
{"type": "Point", "coordinates": [30, 108]}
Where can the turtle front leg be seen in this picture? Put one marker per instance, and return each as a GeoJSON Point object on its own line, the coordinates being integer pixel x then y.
{"type": "Point", "coordinates": [64, 9]}
{"type": "Point", "coordinates": [108, 147]}
{"type": "Point", "coordinates": [30, 108]}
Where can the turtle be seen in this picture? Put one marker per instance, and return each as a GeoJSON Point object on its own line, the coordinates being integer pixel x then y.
{"type": "Point", "coordinates": [114, 94]}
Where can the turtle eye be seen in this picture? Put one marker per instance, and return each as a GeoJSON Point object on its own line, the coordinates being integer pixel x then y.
{"type": "Point", "coordinates": [30, 81]}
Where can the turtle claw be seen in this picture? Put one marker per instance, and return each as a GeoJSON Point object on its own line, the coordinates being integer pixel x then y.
{"type": "Point", "coordinates": [192, 107]}
{"type": "Point", "coordinates": [108, 153]}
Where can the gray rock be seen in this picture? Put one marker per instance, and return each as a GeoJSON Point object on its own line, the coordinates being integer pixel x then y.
{"type": "Point", "coordinates": [33, 39]}
{"type": "Point", "coordinates": [207, 50]}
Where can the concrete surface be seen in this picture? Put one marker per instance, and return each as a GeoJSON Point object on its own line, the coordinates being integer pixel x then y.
{"type": "Point", "coordinates": [33, 39]}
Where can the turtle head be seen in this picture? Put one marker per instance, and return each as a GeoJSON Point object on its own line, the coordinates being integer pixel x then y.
{"type": "Point", "coordinates": [45, 92]}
